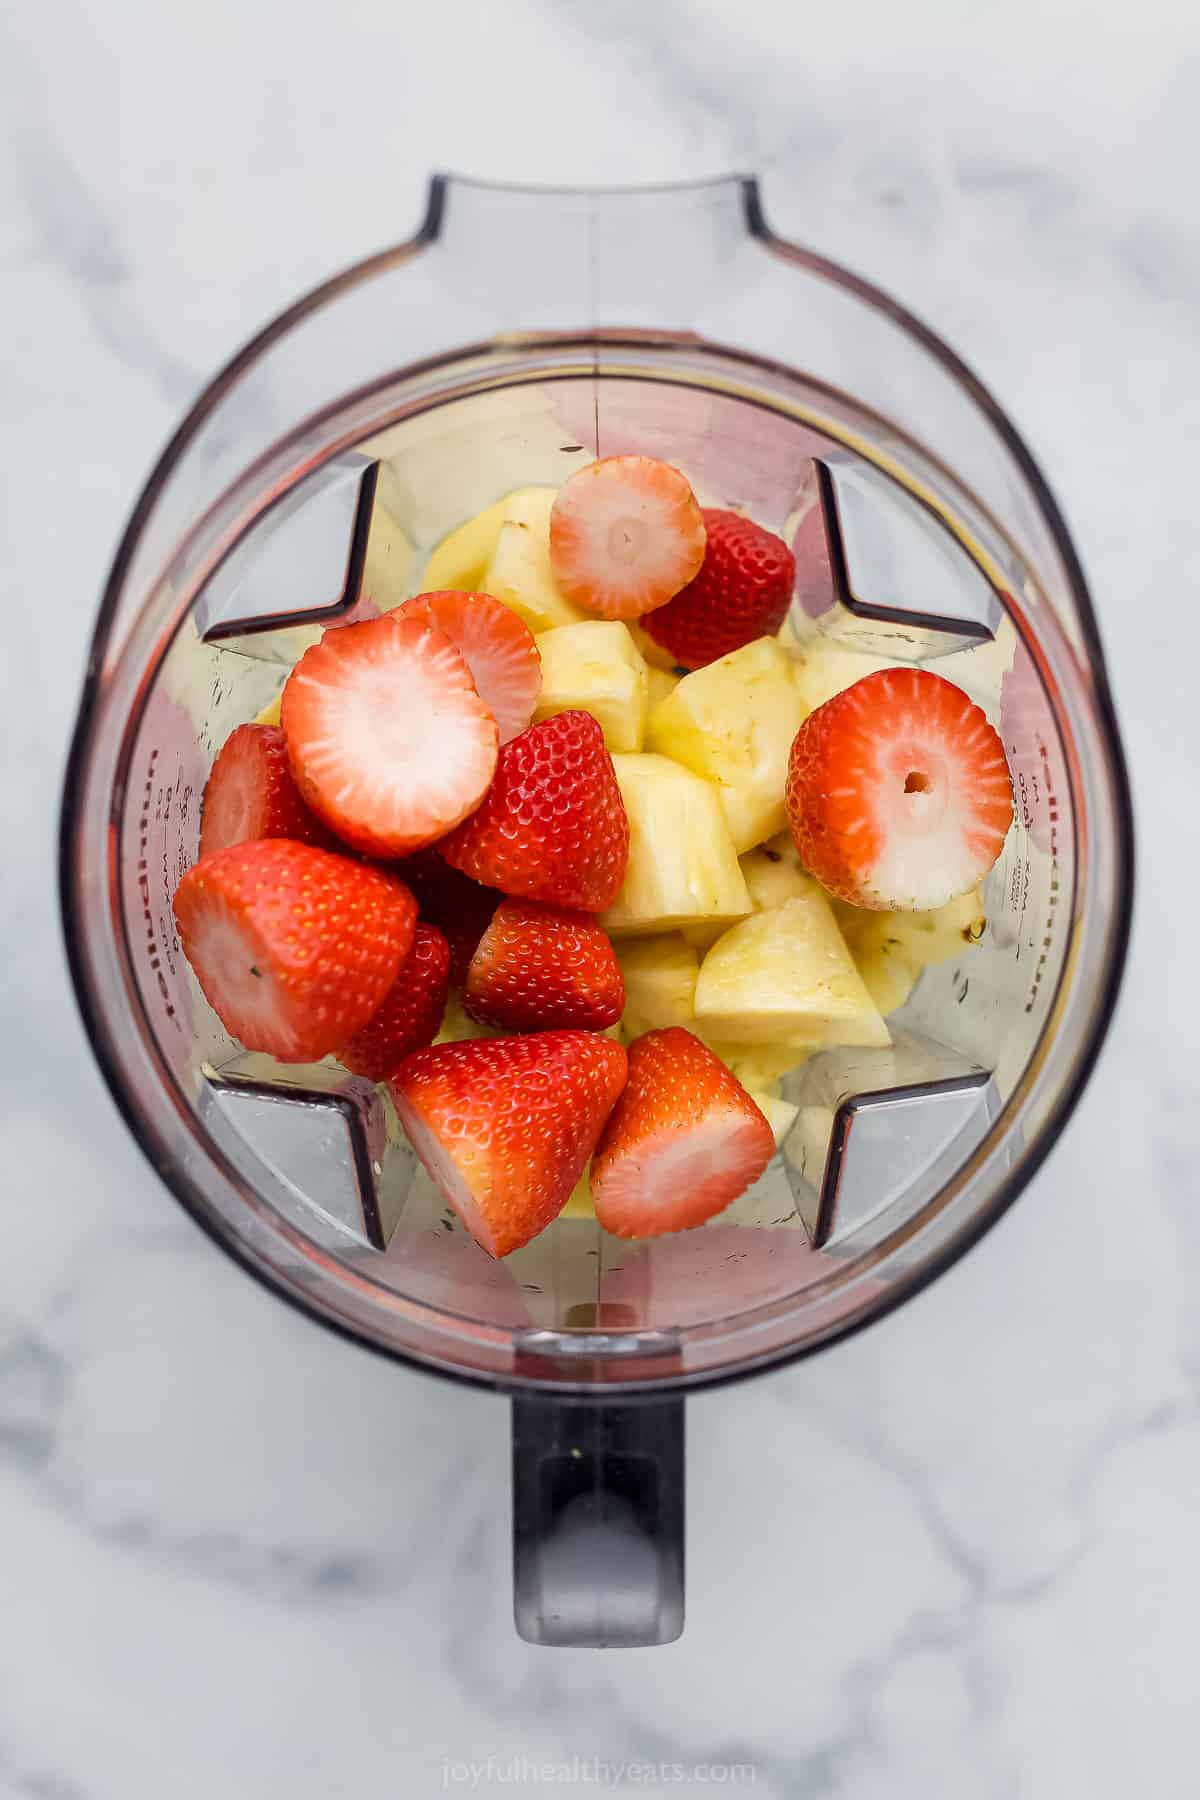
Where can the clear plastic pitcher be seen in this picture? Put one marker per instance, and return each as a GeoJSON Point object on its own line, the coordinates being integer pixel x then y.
{"type": "Point", "coordinates": [518, 334]}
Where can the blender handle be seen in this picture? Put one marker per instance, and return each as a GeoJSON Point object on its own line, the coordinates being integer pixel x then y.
{"type": "Point", "coordinates": [597, 1520]}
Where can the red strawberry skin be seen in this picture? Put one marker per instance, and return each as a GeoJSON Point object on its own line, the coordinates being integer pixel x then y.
{"type": "Point", "coordinates": [251, 793]}
{"type": "Point", "coordinates": [505, 1125]}
{"type": "Point", "coordinates": [411, 1013]}
{"type": "Point", "coordinates": [683, 1141]}
{"type": "Point", "coordinates": [541, 968]}
{"type": "Point", "coordinates": [552, 826]}
{"type": "Point", "coordinates": [899, 796]}
{"type": "Point", "coordinates": [742, 592]}
{"type": "Point", "coordinates": [293, 946]}
{"type": "Point", "coordinates": [460, 908]}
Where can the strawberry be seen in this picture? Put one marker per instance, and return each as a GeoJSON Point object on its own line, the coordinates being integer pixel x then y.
{"type": "Point", "coordinates": [388, 739]}
{"type": "Point", "coordinates": [626, 533]}
{"type": "Point", "coordinates": [899, 797]}
{"type": "Point", "coordinates": [539, 968]}
{"type": "Point", "coordinates": [742, 592]}
{"type": "Point", "coordinates": [411, 1012]}
{"type": "Point", "coordinates": [553, 825]}
{"type": "Point", "coordinates": [505, 1125]}
{"type": "Point", "coordinates": [459, 907]}
{"type": "Point", "coordinates": [294, 947]}
{"type": "Point", "coordinates": [684, 1139]}
{"type": "Point", "coordinates": [496, 646]}
{"type": "Point", "coordinates": [250, 793]}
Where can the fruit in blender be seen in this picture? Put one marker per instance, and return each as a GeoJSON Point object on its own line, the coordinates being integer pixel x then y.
{"type": "Point", "coordinates": [462, 556]}
{"type": "Point", "coordinates": [411, 1011]}
{"type": "Point", "coordinates": [891, 948]}
{"type": "Point", "coordinates": [252, 793]}
{"type": "Point", "coordinates": [552, 826]}
{"type": "Point", "coordinates": [734, 722]}
{"type": "Point", "coordinates": [626, 534]}
{"type": "Point", "coordinates": [682, 866]}
{"type": "Point", "coordinates": [505, 1125]}
{"type": "Point", "coordinates": [294, 947]}
{"type": "Point", "coordinates": [598, 668]}
{"type": "Point", "coordinates": [542, 968]}
{"type": "Point", "coordinates": [899, 796]}
{"type": "Point", "coordinates": [659, 683]}
{"type": "Point", "coordinates": [519, 571]}
{"type": "Point", "coordinates": [387, 737]}
{"type": "Point", "coordinates": [497, 647]}
{"type": "Point", "coordinates": [682, 1142]}
{"type": "Point", "coordinates": [780, 1115]}
{"type": "Point", "coordinates": [660, 982]}
{"type": "Point", "coordinates": [758, 1065]}
{"type": "Point", "coordinates": [742, 591]}
{"type": "Point", "coordinates": [786, 976]}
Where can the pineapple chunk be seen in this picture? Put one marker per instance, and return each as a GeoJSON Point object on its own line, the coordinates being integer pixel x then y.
{"type": "Point", "coordinates": [519, 572]}
{"type": "Point", "coordinates": [826, 669]}
{"type": "Point", "coordinates": [457, 1024]}
{"type": "Point", "coordinates": [655, 655]}
{"type": "Point", "coordinates": [774, 873]}
{"type": "Point", "coordinates": [786, 975]}
{"type": "Point", "coordinates": [461, 558]}
{"type": "Point", "coordinates": [388, 564]}
{"type": "Point", "coordinates": [758, 1066]}
{"type": "Point", "coordinates": [780, 1114]}
{"type": "Point", "coordinates": [579, 1201]}
{"type": "Point", "coordinates": [598, 667]}
{"type": "Point", "coordinates": [270, 713]}
{"type": "Point", "coordinates": [703, 937]}
{"type": "Point", "coordinates": [660, 982]}
{"type": "Point", "coordinates": [659, 682]}
{"type": "Point", "coordinates": [682, 867]}
{"type": "Point", "coordinates": [733, 722]}
{"type": "Point", "coordinates": [891, 948]}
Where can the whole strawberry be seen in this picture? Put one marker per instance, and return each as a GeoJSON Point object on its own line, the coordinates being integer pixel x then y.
{"type": "Point", "coordinates": [742, 592]}
{"type": "Point", "coordinates": [410, 1013]}
{"type": "Point", "coordinates": [293, 946]}
{"type": "Point", "coordinates": [540, 968]}
{"type": "Point", "coordinates": [552, 825]}
{"type": "Point", "coordinates": [251, 793]}
{"type": "Point", "coordinates": [505, 1125]}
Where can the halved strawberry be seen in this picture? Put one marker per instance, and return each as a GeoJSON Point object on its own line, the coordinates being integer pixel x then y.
{"type": "Point", "coordinates": [387, 737]}
{"type": "Point", "coordinates": [683, 1141]}
{"type": "Point", "coordinates": [505, 1125]}
{"type": "Point", "coordinates": [497, 646]}
{"type": "Point", "coordinates": [553, 825]}
{"type": "Point", "coordinates": [251, 793]}
{"type": "Point", "coordinates": [742, 592]}
{"type": "Point", "coordinates": [411, 1011]}
{"type": "Point", "coordinates": [540, 968]}
{"type": "Point", "coordinates": [293, 946]}
{"type": "Point", "coordinates": [899, 796]}
{"type": "Point", "coordinates": [626, 533]}
{"type": "Point", "coordinates": [460, 908]}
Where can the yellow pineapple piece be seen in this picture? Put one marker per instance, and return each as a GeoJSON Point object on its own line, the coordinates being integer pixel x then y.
{"type": "Point", "coordinates": [461, 558]}
{"type": "Point", "coordinates": [703, 937]}
{"type": "Point", "coordinates": [780, 1114]}
{"type": "Point", "coordinates": [757, 1066]}
{"type": "Point", "coordinates": [682, 866]}
{"type": "Point", "coordinates": [595, 666]}
{"type": "Point", "coordinates": [458, 1025]}
{"type": "Point", "coordinates": [519, 572]}
{"type": "Point", "coordinates": [787, 975]}
{"type": "Point", "coordinates": [659, 683]}
{"type": "Point", "coordinates": [270, 713]}
{"type": "Point", "coordinates": [579, 1201]}
{"type": "Point", "coordinates": [774, 873]}
{"type": "Point", "coordinates": [660, 981]}
{"type": "Point", "coordinates": [654, 654]}
{"type": "Point", "coordinates": [734, 723]}
{"type": "Point", "coordinates": [891, 948]}
{"type": "Point", "coordinates": [824, 669]}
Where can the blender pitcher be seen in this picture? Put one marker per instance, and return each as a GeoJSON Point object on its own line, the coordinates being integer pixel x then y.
{"type": "Point", "coordinates": [517, 335]}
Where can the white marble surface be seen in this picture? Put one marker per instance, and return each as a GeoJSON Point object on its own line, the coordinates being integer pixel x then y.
{"type": "Point", "coordinates": [956, 1557]}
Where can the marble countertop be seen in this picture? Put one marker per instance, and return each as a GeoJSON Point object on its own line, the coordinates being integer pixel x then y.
{"type": "Point", "coordinates": [954, 1557]}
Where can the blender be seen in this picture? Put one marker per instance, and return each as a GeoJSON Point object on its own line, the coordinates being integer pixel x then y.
{"type": "Point", "coordinates": [517, 335]}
